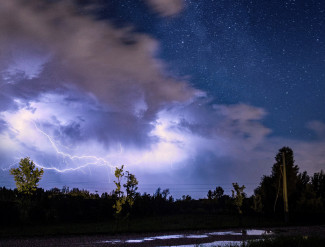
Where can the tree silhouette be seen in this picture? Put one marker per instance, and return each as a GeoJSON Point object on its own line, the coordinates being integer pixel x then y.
{"type": "Point", "coordinates": [218, 193]}
{"type": "Point", "coordinates": [120, 200]}
{"type": "Point", "coordinates": [26, 176]}
{"type": "Point", "coordinates": [238, 195]}
{"type": "Point", "coordinates": [270, 188]}
{"type": "Point", "coordinates": [257, 205]}
{"type": "Point", "coordinates": [291, 170]}
{"type": "Point", "coordinates": [130, 187]}
{"type": "Point", "coordinates": [318, 183]}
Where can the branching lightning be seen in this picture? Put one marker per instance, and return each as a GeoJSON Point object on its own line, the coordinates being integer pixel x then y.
{"type": "Point", "coordinates": [8, 168]}
{"type": "Point", "coordinates": [96, 161]}
{"type": "Point", "coordinates": [163, 152]}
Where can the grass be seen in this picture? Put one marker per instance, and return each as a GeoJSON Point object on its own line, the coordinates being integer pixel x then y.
{"type": "Point", "coordinates": [285, 241]}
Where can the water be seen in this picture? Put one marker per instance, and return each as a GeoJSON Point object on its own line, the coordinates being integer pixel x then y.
{"type": "Point", "coordinates": [134, 241]}
{"type": "Point", "coordinates": [213, 244]}
{"type": "Point", "coordinates": [111, 241]}
{"type": "Point", "coordinates": [257, 232]}
{"type": "Point", "coordinates": [232, 233]}
{"type": "Point", "coordinates": [169, 237]}
{"type": "Point", "coordinates": [141, 240]}
{"type": "Point", "coordinates": [249, 232]}
{"type": "Point", "coordinates": [197, 236]}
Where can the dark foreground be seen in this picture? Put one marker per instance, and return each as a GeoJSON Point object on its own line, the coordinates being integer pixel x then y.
{"type": "Point", "coordinates": [171, 238]}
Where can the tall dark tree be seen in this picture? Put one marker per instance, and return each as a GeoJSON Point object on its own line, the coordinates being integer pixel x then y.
{"type": "Point", "coordinates": [268, 192]}
{"type": "Point", "coordinates": [270, 188]}
{"type": "Point", "coordinates": [318, 183]}
{"type": "Point", "coordinates": [292, 170]}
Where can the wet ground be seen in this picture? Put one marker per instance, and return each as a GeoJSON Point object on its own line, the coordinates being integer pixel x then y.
{"type": "Point", "coordinates": [183, 239]}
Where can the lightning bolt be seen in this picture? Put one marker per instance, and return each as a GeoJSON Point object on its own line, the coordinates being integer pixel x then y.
{"type": "Point", "coordinates": [72, 169]}
{"type": "Point", "coordinates": [96, 161]}
{"type": "Point", "coordinates": [72, 157]}
{"type": "Point", "coordinates": [8, 168]}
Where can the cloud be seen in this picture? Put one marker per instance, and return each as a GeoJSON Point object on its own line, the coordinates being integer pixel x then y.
{"type": "Point", "coordinates": [230, 143]}
{"type": "Point", "coordinates": [50, 49]}
{"type": "Point", "coordinates": [317, 127]}
{"type": "Point", "coordinates": [117, 65]}
{"type": "Point", "coordinates": [166, 8]}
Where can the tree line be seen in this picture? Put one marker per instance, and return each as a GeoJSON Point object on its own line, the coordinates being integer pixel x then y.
{"type": "Point", "coordinates": [29, 204]}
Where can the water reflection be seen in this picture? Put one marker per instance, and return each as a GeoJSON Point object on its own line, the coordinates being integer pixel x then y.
{"type": "Point", "coordinates": [169, 237]}
{"type": "Point", "coordinates": [254, 232]}
{"type": "Point", "coordinates": [232, 233]}
{"type": "Point", "coordinates": [249, 232]}
{"type": "Point", "coordinates": [213, 244]}
{"type": "Point", "coordinates": [197, 236]}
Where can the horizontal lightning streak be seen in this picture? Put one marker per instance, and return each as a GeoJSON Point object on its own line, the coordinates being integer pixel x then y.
{"type": "Point", "coordinates": [70, 169]}
{"type": "Point", "coordinates": [98, 161]}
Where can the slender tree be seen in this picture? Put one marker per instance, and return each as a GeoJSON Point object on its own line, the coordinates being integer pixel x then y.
{"type": "Point", "coordinates": [26, 176]}
{"type": "Point", "coordinates": [238, 195]}
{"type": "Point", "coordinates": [131, 188]}
{"type": "Point", "coordinates": [120, 200]}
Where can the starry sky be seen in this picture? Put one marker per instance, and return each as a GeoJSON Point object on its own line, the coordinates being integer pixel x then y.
{"type": "Point", "coordinates": [187, 94]}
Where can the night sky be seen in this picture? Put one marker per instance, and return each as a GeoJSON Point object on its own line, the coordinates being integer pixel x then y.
{"type": "Point", "coordinates": [188, 95]}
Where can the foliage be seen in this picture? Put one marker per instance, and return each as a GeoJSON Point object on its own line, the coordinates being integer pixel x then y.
{"type": "Point", "coordinates": [318, 184]}
{"type": "Point", "coordinates": [292, 170]}
{"type": "Point", "coordinates": [287, 241]}
{"type": "Point", "coordinates": [257, 203]}
{"type": "Point", "coordinates": [307, 204]}
{"type": "Point", "coordinates": [305, 193]}
{"type": "Point", "coordinates": [120, 200]}
{"type": "Point", "coordinates": [238, 195]}
{"type": "Point", "coordinates": [130, 187]}
{"type": "Point", "coordinates": [270, 187]}
{"type": "Point", "coordinates": [216, 194]}
{"type": "Point", "coordinates": [26, 176]}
